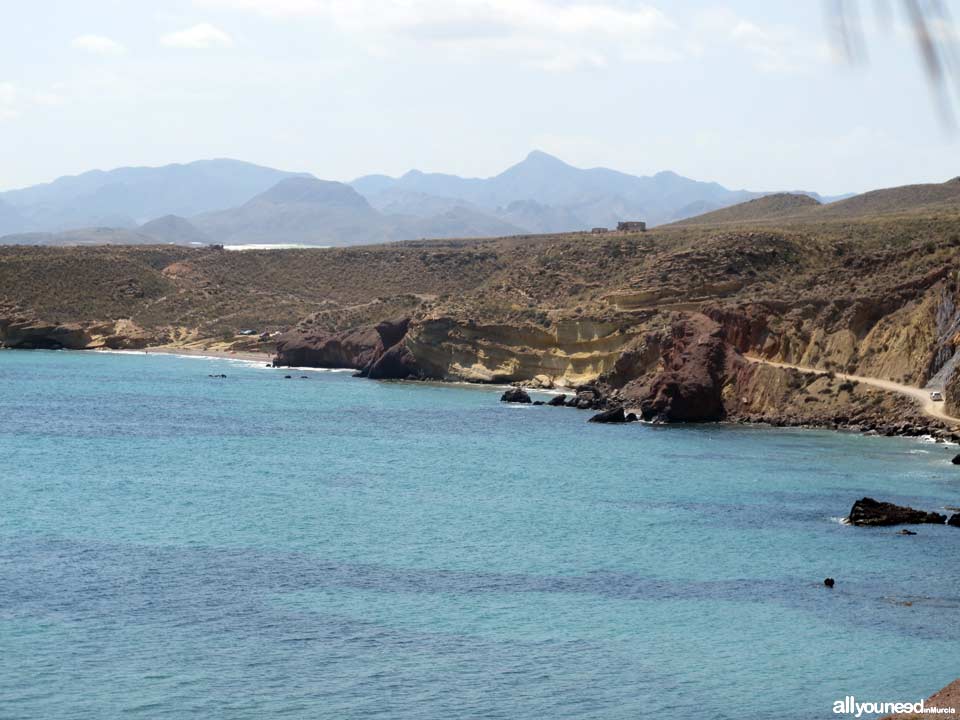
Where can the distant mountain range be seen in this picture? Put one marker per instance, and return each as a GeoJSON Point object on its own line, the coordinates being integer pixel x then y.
{"type": "Point", "coordinates": [233, 202]}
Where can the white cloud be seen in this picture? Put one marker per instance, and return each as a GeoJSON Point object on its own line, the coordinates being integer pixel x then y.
{"type": "Point", "coordinates": [276, 8]}
{"type": "Point", "coordinates": [199, 37]}
{"type": "Point", "coordinates": [49, 99]}
{"type": "Point", "coordinates": [544, 33]}
{"type": "Point", "coordinates": [98, 45]}
{"type": "Point", "coordinates": [770, 49]}
{"type": "Point", "coordinates": [8, 101]}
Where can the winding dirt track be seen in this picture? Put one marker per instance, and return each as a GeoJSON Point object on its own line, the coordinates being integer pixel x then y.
{"type": "Point", "coordinates": [931, 408]}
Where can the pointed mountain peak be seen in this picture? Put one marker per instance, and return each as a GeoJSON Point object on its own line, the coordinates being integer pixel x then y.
{"type": "Point", "coordinates": [538, 157]}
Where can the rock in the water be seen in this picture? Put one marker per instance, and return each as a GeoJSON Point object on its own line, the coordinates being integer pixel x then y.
{"type": "Point", "coordinates": [515, 395]}
{"type": "Point", "coordinates": [557, 400]}
{"type": "Point", "coordinates": [538, 402]}
{"type": "Point", "coordinates": [829, 582]}
{"type": "Point", "coordinates": [954, 520]}
{"type": "Point", "coordinates": [870, 512]}
{"type": "Point", "coordinates": [610, 416]}
{"type": "Point", "coordinates": [906, 532]}
{"type": "Point", "coordinates": [632, 417]}
{"type": "Point", "coordinates": [956, 460]}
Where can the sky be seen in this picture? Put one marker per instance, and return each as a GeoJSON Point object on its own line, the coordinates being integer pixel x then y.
{"type": "Point", "coordinates": [747, 93]}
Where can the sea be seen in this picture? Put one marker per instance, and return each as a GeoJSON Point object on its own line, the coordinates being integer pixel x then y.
{"type": "Point", "coordinates": [175, 545]}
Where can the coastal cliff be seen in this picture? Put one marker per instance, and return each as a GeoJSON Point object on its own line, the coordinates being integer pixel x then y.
{"type": "Point", "coordinates": [678, 324]}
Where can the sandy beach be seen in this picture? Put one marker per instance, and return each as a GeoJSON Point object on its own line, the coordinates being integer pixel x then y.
{"type": "Point", "coordinates": [264, 357]}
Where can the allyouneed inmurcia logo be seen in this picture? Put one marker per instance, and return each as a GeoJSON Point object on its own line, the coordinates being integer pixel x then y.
{"type": "Point", "coordinates": [850, 706]}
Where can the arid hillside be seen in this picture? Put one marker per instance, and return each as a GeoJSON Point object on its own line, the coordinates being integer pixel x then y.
{"type": "Point", "coordinates": [928, 200]}
{"type": "Point", "coordinates": [670, 321]}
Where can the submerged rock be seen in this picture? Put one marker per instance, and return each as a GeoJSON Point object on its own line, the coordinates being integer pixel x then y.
{"type": "Point", "coordinates": [870, 512]}
{"type": "Point", "coordinates": [954, 520]}
{"type": "Point", "coordinates": [616, 415]}
{"type": "Point", "coordinates": [515, 395]}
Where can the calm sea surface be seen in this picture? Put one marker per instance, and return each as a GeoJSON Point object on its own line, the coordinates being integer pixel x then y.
{"type": "Point", "coordinates": [175, 546]}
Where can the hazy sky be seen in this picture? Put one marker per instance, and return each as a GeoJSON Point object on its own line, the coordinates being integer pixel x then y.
{"type": "Point", "coordinates": [742, 92]}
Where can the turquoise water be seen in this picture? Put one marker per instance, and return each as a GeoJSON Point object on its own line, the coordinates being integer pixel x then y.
{"type": "Point", "coordinates": [174, 546]}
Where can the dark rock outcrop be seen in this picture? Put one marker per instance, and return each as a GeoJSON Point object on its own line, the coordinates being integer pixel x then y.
{"type": "Point", "coordinates": [397, 363]}
{"type": "Point", "coordinates": [355, 349]}
{"type": "Point", "coordinates": [363, 348]}
{"type": "Point", "coordinates": [696, 360]}
{"type": "Point", "coordinates": [954, 520]}
{"type": "Point", "coordinates": [616, 415]}
{"type": "Point", "coordinates": [871, 513]}
{"type": "Point", "coordinates": [392, 331]}
{"type": "Point", "coordinates": [515, 395]}
{"type": "Point", "coordinates": [557, 400]}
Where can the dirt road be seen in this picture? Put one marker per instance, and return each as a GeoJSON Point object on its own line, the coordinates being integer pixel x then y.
{"type": "Point", "coordinates": [931, 408]}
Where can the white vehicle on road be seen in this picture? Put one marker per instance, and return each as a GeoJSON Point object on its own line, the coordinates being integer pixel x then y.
{"type": "Point", "coordinates": [936, 397]}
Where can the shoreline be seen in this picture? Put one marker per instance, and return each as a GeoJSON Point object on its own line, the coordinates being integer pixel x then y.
{"type": "Point", "coordinates": [248, 355]}
{"type": "Point", "coordinates": [932, 435]}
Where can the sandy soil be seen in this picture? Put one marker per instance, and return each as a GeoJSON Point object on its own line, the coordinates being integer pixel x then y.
{"type": "Point", "coordinates": [264, 357]}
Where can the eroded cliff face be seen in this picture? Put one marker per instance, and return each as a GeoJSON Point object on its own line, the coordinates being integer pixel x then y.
{"type": "Point", "coordinates": [908, 336]}
{"type": "Point", "coordinates": [669, 320]}
{"type": "Point", "coordinates": [681, 365]}
{"type": "Point", "coordinates": [568, 353]}
{"type": "Point", "coordinates": [26, 334]}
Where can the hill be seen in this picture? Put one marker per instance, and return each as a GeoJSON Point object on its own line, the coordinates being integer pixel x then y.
{"type": "Point", "coordinates": [127, 197]}
{"type": "Point", "coordinates": [307, 211]}
{"type": "Point", "coordinates": [227, 200]}
{"type": "Point", "coordinates": [769, 207]}
{"type": "Point", "coordinates": [591, 197]}
{"type": "Point", "coordinates": [303, 211]}
{"type": "Point", "coordinates": [174, 229]}
{"type": "Point", "coordinates": [933, 199]}
{"type": "Point", "coordinates": [82, 236]}
{"type": "Point", "coordinates": [11, 221]}
{"type": "Point", "coordinates": [910, 199]}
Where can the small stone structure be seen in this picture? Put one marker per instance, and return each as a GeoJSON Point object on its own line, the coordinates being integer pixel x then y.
{"type": "Point", "coordinates": [632, 226]}
{"type": "Point", "coordinates": [599, 230]}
